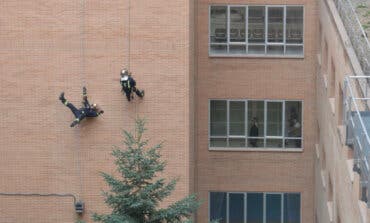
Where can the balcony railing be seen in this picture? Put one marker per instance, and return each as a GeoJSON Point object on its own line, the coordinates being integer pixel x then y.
{"type": "Point", "coordinates": [356, 33]}
{"type": "Point", "coordinates": [357, 119]}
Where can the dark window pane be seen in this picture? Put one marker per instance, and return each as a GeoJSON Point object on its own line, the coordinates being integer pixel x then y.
{"type": "Point", "coordinates": [218, 142]}
{"type": "Point", "coordinates": [218, 206]}
{"type": "Point", "coordinates": [273, 208]}
{"type": "Point", "coordinates": [218, 24]}
{"type": "Point", "coordinates": [257, 49]}
{"type": "Point", "coordinates": [237, 118]}
{"type": "Point", "coordinates": [274, 143]}
{"type": "Point", "coordinates": [237, 24]}
{"type": "Point", "coordinates": [256, 24]}
{"type": "Point", "coordinates": [218, 118]}
{"type": "Point", "coordinates": [293, 119]}
{"type": "Point", "coordinates": [293, 143]}
{"type": "Point", "coordinates": [218, 49]}
{"type": "Point", "coordinates": [275, 24]}
{"type": "Point", "coordinates": [294, 50]}
{"type": "Point", "coordinates": [294, 24]}
{"type": "Point", "coordinates": [236, 208]}
{"type": "Point", "coordinates": [253, 142]}
{"type": "Point", "coordinates": [237, 49]}
{"type": "Point", "coordinates": [256, 114]}
{"type": "Point", "coordinates": [234, 142]}
{"type": "Point", "coordinates": [255, 208]}
{"type": "Point", "coordinates": [292, 208]}
{"type": "Point", "coordinates": [275, 50]}
{"type": "Point", "coordinates": [274, 118]}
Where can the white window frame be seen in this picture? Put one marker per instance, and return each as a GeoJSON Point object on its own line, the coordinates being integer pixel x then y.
{"type": "Point", "coordinates": [245, 196]}
{"type": "Point", "coordinates": [246, 43]}
{"type": "Point", "coordinates": [246, 136]}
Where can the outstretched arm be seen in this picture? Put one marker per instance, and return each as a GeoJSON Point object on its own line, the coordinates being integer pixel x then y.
{"type": "Point", "coordinates": [84, 97]}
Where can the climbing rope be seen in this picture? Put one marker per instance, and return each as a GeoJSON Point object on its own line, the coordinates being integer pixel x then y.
{"type": "Point", "coordinates": [83, 74]}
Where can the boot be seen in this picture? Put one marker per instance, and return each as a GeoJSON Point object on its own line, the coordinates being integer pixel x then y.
{"type": "Point", "coordinates": [75, 122]}
{"type": "Point", "coordinates": [61, 98]}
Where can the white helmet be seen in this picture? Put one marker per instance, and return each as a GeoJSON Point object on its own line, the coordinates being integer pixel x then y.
{"type": "Point", "coordinates": [124, 72]}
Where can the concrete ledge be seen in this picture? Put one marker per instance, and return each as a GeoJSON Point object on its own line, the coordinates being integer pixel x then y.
{"type": "Point", "coordinates": [350, 170]}
{"type": "Point", "coordinates": [317, 150]}
{"type": "Point", "coordinates": [363, 211]}
{"type": "Point", "coordinates": [332, 105]}
{"type": "Point", "coordinates": [329, 205]}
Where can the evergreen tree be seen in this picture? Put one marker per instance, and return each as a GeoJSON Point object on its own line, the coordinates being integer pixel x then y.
{"type": "Point", "coordinates": [134, 197]}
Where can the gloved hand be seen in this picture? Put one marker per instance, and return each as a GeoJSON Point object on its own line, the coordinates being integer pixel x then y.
{"type": "Point", "coordinates": [101, 112]}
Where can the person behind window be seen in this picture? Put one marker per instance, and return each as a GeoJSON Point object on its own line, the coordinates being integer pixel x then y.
{"type": "Point", "coordinates": [253, 132]}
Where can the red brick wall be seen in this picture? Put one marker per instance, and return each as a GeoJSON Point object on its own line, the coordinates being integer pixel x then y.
{"type": "Point", "coordinates": [41, 56]}
{"type": "Point", "coordinates": [256, 78]}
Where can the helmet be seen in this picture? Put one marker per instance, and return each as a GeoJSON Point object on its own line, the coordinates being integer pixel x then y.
{"type": "Point", "coordinates": [124, 72]}
{"type": "Point", "coordinates": [94, 106]}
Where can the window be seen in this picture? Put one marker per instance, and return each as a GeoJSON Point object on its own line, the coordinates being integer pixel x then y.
{"type": "Point", "coordinates": [256, 30]}
{"type": "Point", "coordinates": [255, 207]}
{"type": "Point", "coordinates": [255, 123]}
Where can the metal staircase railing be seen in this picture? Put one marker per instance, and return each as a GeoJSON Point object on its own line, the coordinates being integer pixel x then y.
{"type": "Point", "coordinates": [357, 119]}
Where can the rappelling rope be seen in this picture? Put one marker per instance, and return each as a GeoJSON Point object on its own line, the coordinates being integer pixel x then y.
{"type": "Point", "coordinates": [129, 52]}
{"type": "Point", "coordinates": [83, 74]}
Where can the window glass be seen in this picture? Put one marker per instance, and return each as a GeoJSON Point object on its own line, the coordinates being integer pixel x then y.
{"type": "Point", "coordinates": [273, 208]}
{"type": "Point", "coordinates": [293, 124]}
{"type": "Point", "coordinates": [294, 24]}
{"type": "Point", "coordinates": [256, 123]}
{"type": "Point", "coordinates": [294, 50]}
{"type": "Point", "coordinates": [218, 142]}
{"type": "Point", "coordinates": [262, 30]}
{"type": "Point", "coordinates": [237, 142]}
{"type": "Point", "coordinates": [274, 118]}
{"type": "Point", "coordinates": [256, 24]}
{"type": "Point", "coordinates": [275, 50]}
{"type": "Point", "coordinates": [237, 24]}
{"type": "Point", "coordinates": [218, 118]}
{"type": "Point", "coordinates": [256, 114]}
{"type": "Point", "coordinates": [275, 30]}
{"type": "Point", "coordinates": [274, 143]}
{"type": "Point", "coordinates": [237, 118]}
{"type": "Point", "coordinates": [236, 208]}
{"type": "Point", "coordinates": [293, 119]}
{"type": "Point", "coordinates": [292, 208]}
{"type": "Point", "coordinates": [256, 49]}
{"type": "Point", "coordinates": [237, 49]}
{"type": "Point", "coordinates": [262, 126]}
{"type": "Point", "coordinates": [218, 24]}
{"type": "Point", "coordinates": [218, 206]}
{"type": "Point", "coordinates": [255, 207]}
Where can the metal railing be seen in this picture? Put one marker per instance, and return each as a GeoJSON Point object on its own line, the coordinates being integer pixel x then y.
{"type": "Point", "coordinates": [357, 119]}
{"type": "Point", "coordinates": [356, 33]}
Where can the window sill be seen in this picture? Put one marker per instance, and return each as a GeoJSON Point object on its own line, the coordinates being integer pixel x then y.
{"type": "Point", "coordinates": [248, 149]}
{"type": "Point", "coordinates": [255, 56]}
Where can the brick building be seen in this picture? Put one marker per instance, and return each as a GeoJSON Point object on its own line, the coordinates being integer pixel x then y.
{"type": "Point", "coordinates": [247, 96]}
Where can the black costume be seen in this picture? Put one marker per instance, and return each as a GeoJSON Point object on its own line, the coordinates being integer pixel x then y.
{"type": "Point", "coordinates": [128, 86]}
{"type": "Point", "coordinates": [253, 133]}
{"type": "Point", "coordinates": [86, 111]}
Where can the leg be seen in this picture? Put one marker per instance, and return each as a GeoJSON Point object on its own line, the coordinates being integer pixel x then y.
{"type": "Point", "coordinates": [128, 95]}
{"type": "Point", "coordinates": [74, 110]}
{"type": "Point", "coordinates": [139, 93]}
